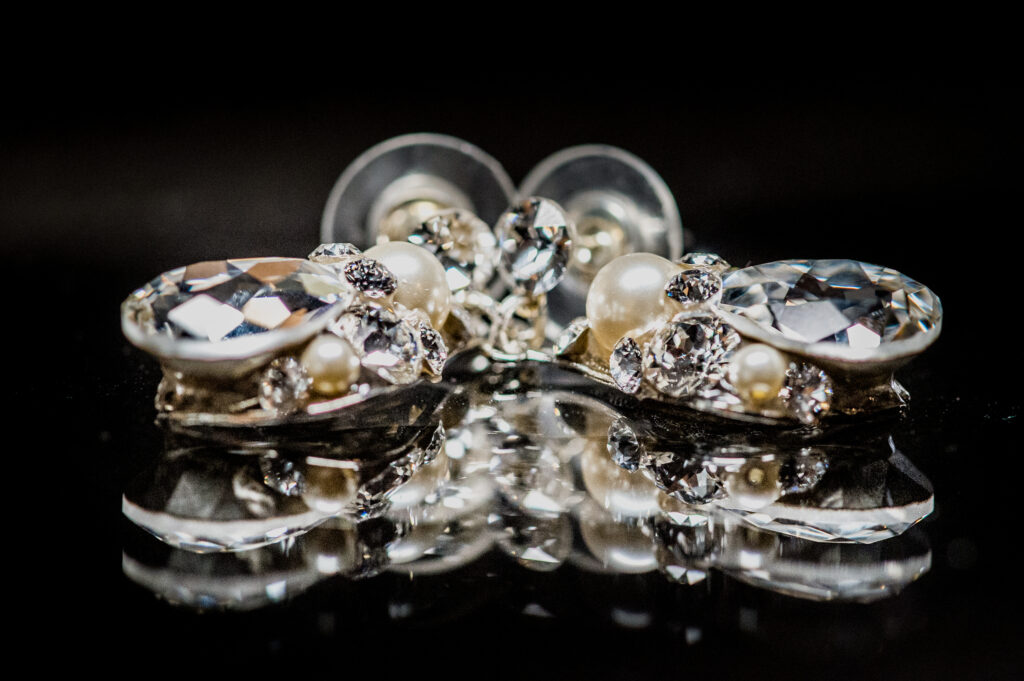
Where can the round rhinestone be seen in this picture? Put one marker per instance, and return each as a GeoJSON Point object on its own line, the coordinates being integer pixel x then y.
{"type": "Point", "coordinates": [284, 386]}
{"type": "Point", "coordinates": [802, 473]}
{"type": "Point", "coordinates": [689, 354]}
{"type": "Point", "coordinates": [571, 338]}
{"type": "Point", "coordinates": [370, 277]}
{"type": "Point", "coordinates": [807, 392]}
{"type": "Point", "coordinates": [626, 365]}
{"type": "Point", "coordinates": [327, 254]}
{"type": "Point", "coordinates": [692, 287]}
{"type": "Point", "coordinates": [704, 260]}
{"type": "Point", "coordinates": [463, 243]}
{"type": "Point", "coordinates": [535, 239]}
{"type": "Point", "coordinates": [282, 475]}
{"type": "Point", "coordinates": [624, 446]}
{"type": "Point", "coordinates": [686, 479]}
{"type": "Point", "coordinates": [386, 344]}
{"type": "Point", "coordinates": [435, 352]}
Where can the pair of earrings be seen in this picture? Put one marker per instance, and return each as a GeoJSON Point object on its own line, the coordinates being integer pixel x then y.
{"type": "Point", "coordinates": [266, 341]}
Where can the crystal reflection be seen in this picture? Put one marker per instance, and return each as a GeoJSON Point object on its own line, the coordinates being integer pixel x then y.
{"type": "Point", "coordinates": [503, 475]}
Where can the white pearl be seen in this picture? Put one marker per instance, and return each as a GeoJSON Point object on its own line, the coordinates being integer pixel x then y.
{"type": "Point", "coordinates": [628, 296]}
{"type": "Point", "coordinates": [422, 284]}
{"type": "Point", "coordinates": [620, 492]}
{"type": "Point", "coordinates": [755, 485]}
{"type": "Point", "coordinates": [758, 372]}
{"type": "Point", "coordinates": [332, 363]}
{"type": "Point", "coordinates": [330, 490]}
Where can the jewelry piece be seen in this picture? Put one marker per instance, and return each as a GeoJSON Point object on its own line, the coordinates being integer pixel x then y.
{"type": "Point", "coordinates": [542, 476]}
{"type": "Point", "coordinates": [619, 205]}
{"type": "Point", "coordinates": [787, 340]}
{"type": "Point", "coordinates": [393, 187]}
{"type": "Point", "coordinates": [442, 194]}
{"type": "Point", "coordinates": [269, 341]}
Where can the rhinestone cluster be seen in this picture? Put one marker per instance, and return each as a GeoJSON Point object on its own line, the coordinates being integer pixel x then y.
{"type": "Point", "coordinates": [695, 356]}
{"type": "Point", "coordinates": [293, 331]}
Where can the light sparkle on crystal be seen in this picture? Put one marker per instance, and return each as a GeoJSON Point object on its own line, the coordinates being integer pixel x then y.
{"type": "Point", "coordinates": [370, 277]}
{"type": "Point", "coordinates": [689, 354]}
{"type": "Point", "coordinates": [463, 243]}
{"type": "Point", "coordinates": [217, 304]}
{"type": "Point", "coordinates": [385, 343]}
{"type": "Point", "coordinates": [695, 286]}
{"type": "Point", "coordinates": [626, 365]}
{"type": "Point", "coordinates": [535, 241]}
{"type": "Point", "coordinates": [864, 308]}
{"type": "Point", "coordinates": [284, 386]}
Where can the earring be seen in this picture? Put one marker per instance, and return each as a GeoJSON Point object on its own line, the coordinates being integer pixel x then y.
{"type": "Point", "coordinates": [259, 342]}
{"type": "Point", "coordinates": [618, 204]}
{"type": "Point", "coordinates": [599, 202]}
{"type": "Point", "coordinates": [787, 340]}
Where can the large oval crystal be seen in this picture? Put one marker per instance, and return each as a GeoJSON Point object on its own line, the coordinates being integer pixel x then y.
{"type": "Point", "coordinates": [232, 309]}
{"type": "Point", "coordinates": [535, 240]}
{"type": "Point", "coordinates": [844, 309]}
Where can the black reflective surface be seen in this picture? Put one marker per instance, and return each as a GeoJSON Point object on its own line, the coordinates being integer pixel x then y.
{"type": "Point", "coordinates": [911, 173]}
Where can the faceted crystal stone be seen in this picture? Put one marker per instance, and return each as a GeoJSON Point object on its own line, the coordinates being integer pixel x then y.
{"type": "Point", "coordinates": [686, 550]}
{"type": "Point", "coordinates": [531, 477]}
{"type": "Point", "coordinates": [823, 572]}
{"type": "Point", "coordinates": [693, 287]}
{"type": "Point", "coordinates": [227, 308]}
{"type": "Point", "coordinates": [436, 444]}
{"type": "Point", "coordinates": [435, 352]}
{"type": "Point", "coordinates": [803, 473]}
{"type": "Point", "coordinates": [807, 392]}
{"type": "Point", "coordinates": [860, 498]}
{"type": "Point", "coordinates": [572, 338]}
{"type": "Point", "coordinates": [704, 260]}
{"type": "Point", "coordinates": [284, 386]}
{"type": "Point", "coordinates": [371, 499]}
{"type": "Point", "coordinates": [242, 581]}
{"type": "Point", "coordinates": [329, 254]}
{"type": "Point", "coordinates": [626, 365]}
{"type": "Point", "coordinates": [370, 278]}
{"type": "Point", "coordinates": [689, 354]}
{"type": "Point", "coordinates": [849, 303]}
{"type": "Point", "coordinates": [386, 344]}
{"type": "Point", "coordinates": [212, 499]}
{"type": "Point", "coordinates": [540, 543]}
{"type": "Point", "coordinates": [535, 239]}
{"type": "Point", "coordinates": [624, 446]}
{"type": "Point", "coordinates": [518, 324]}
{"type": "Point", "coordinates": [686, 479]}
{"type": "Point", "coordinates": [282, 475]}
{"type": "Point", "coordinates": [463, 243]}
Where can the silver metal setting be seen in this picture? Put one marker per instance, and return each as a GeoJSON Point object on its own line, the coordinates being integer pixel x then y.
{"type": "Point", "coordinates": [879, 319]}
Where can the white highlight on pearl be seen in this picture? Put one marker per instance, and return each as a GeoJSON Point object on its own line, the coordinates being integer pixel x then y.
{"type": "Point", "coordinates": [422, 283]}
{"type": "Point", "coordinates": [628, 297]}
{"type": "Point", "coordinates": [332, 363]}
{"type": "Point", "coordinates": [758, 372]}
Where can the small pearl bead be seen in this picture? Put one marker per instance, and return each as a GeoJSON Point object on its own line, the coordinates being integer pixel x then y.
{"type": "Point", "coordinates": [422, 283]}
{"type": "Point", "coordinates": [332, 364]}
{"type": "Point", "coordinates": [330, 490]}
{"type": "Point", "coordinates": [758, 372]}
{"type": "Point", "coordinates": [622, 493]}
{"type": "Point", "coordinates": [628, 296]}
{"type": "Point", "coordinates": [755, 485]}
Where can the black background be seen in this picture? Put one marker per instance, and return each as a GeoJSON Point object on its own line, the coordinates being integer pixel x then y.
{"type": "Point", "coordinates": [110, 176]}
